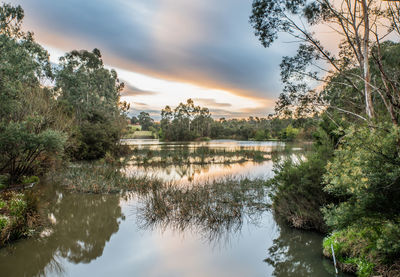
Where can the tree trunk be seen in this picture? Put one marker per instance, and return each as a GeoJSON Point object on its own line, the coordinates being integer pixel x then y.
{"type": "Point", "coordinates": [369, 108]}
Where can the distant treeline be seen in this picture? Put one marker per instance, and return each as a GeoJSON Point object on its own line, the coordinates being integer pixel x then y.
{"type": "Point", "coordinates": [188, 122]}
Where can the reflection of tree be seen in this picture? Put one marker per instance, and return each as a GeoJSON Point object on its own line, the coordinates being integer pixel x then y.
{"type": "Point", "coordinates": [84, 223]}
{"type": "Point", "coordinates": [214, 210]}
{"type": "Point", "coordinates": [297, 253]}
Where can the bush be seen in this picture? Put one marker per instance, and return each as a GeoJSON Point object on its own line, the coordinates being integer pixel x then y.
{"type": "Point", "coordinates": [30, 180]}
{"type": "Point", "coordinates": [365, 250]}
{"type": "Point", "coordinates": [17, 205]}
{"type": "Point", "coordinates": [299, 193]}
{"type": "Point", "coordinates": [365, 173]}
{"type": "Point", "coordinates": [18, 215]}
{"type": "Point", "coordinates": [21, 147]}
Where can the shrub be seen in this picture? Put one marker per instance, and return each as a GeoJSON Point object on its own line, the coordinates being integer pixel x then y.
{"type": "Point", "coordinates": [30, 180]}
{"type": "Point", "coordinates": [365, 173]}
{"type": "Point", "coordinates": [17, 205]}
{"type": "Point", "coordinates": [299, 193]}
{"type": "Point", "coordinates": [298, 185]}
{"type": "Point", "coordinates": [18, 215]}
{"type": "Point", "coordinates": [4, 221]}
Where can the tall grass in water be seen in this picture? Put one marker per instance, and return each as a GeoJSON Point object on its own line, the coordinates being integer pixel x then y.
{"type": "Point", "coordinates": [213, 207]}
{"type": "Point", "coordinates": [103, 178]}
{"type": "Point", "coordinates": [201, 155]}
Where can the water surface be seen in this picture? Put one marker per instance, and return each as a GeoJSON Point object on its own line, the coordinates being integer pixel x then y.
{"type": "Point", "coordinates": [108, 235]}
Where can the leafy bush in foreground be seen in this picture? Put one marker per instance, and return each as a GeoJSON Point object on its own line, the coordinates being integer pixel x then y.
{"type": "Point", "coordinates": [18, 215]}
{"type": "Point", "coordinates": [365, 174]}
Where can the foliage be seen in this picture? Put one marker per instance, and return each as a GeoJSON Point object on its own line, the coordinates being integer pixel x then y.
{"type": "Point", "coordinates": [145, 121]}
{"type": "Point", "coordinates": [289, 133]}
{"type": "Point", "coordinates": [32, 130]}
{"type": "Point", "coordinates": [298, 191]}
{"type": "Point", "coordinates": [18, 215]}
{"type": "Point", "coordinates": [298, 182]}
{"type": "Point", "coordinates": [92, 93]}
{"type": "Point", "coordinates": [189, 122]}
{"type": "Point", "coordinates": [365, 172]}
{"type": "Point", "coordinates": [352, 67]}
{"type": "Point", "coordinates": [30, 180]}
{"type": "Point", "coordinates": [21, 147]}
{"type": "Point", "coordinates": [359, 247]}
{"type": "Point", "coordinates": [186, 122]}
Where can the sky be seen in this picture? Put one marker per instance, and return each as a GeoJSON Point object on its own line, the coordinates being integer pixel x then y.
{"type": "Point", "coordinates": [166, 51]}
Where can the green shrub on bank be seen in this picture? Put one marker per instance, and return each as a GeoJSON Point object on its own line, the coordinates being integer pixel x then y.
{"type": "Point", "coordinates": [299, 193]}
{"type": "Point", "coordinates": [365, 175]}
{"type": "Point", "coordinates": [365, 172]}
{"type": "Point", "coordinates": [18, 215]}
{"type": "Point", "coordinates": [366, 250]}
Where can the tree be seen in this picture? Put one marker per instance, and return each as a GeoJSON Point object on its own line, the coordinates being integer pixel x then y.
{"type": "Point", "coordinates": [359, 24]}
{"type": "Point", "coordinates": [145, 121]}
{"type": "Point", "coordinates": [185, 122]}
{"type": "Point", "coordinates": [92, 93]}
{"type": "Point", "coordinates": [33, 126]}
{"type": "Point", "coordinates": [134, 120]}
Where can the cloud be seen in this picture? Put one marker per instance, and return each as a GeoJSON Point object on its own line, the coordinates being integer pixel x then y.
{"type": "Point", "coordinates": [211, 102]}
{"type": "Point", "coordinates": [155, 114]}
{"type": "Point", "coordinates": [140, 104]}
{"type": "Point", "coordinates": [130, 90]}
{"type": "Point", "coordinates": [204, 42]}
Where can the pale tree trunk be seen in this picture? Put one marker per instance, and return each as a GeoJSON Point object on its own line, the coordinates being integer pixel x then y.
{"type": "Point", "coordinates": [369, 108]}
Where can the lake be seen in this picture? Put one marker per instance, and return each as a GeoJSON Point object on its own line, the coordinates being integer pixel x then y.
{"type": "Point", "coordinates": [111, 235]}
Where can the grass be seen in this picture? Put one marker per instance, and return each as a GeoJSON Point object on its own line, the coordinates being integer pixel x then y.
{"type": "Point", "coordinates": [201, 155]}
{"type": "Point", "coordinates": [139, 134]}
{"type": "Point", "coordinates": [102, 178]}
{"type": "Point", "coordinates": [213, 207]}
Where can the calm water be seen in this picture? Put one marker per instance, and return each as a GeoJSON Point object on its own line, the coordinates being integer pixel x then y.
{"type": "Point", "coordinates": [107, 235]}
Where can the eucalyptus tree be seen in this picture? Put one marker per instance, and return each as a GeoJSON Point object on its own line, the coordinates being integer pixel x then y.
{"type": "Point", "coordinates": [31, 130]}
{"type": "Point", "coordinates": [145, 121]}
{"type": "Point", "coordinates": [358, 26]}
{"type": "Point", "coordinates": [92, 94]}
{"type": "Point", "coordinates": [185, 122]}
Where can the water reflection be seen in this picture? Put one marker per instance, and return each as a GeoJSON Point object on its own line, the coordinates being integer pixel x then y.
{"type": "Point", "coordinates": [82, 225]}
{"type": "Point", "coordinates": [176, 227]}
{"type": "Point", "coordinates": [195, 173]}
{"type": "Point", "coordinates": [202, 161]}
{"type": "Point", "coordinates": [297, 253]}
{"type": "Point", "coordinates": [214, 210]}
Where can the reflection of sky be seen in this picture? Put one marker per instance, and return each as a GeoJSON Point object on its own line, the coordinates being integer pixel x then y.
{"type": "Point", "coordinates": [134, 252]}
{"type": "Point", "coordinates": [203, 173]}
{"type": "Point", "coordinates": [156, 252]}
{"type": "Point", "coordinates": [207, 172]}
{"type": "Point", "coordinates": [167, 253]}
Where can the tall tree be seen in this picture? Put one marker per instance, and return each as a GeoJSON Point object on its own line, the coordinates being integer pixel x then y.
{"type": "Point", "coordinates": [145, 121]}
{"type": "Point", "coordinates": [357, 24]}
{"type": "Point", "coordinates": [92, 93]}
{"type": "Point", "coordinates": [31, 132]}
